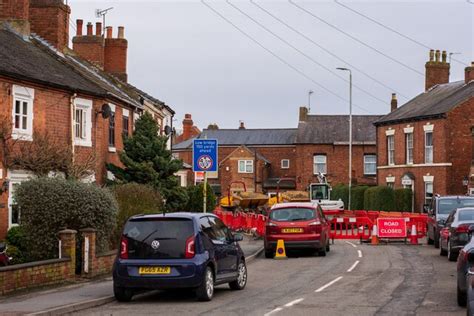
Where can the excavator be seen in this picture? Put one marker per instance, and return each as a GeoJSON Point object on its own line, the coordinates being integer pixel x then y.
{"type": "Point", "coordinates": [321, 193]}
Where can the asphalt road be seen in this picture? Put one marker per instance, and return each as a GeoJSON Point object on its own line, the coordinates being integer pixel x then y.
{"type": "Point", "coordinates": [387, 280]}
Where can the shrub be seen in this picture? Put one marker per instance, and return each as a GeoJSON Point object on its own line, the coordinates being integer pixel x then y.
{"type": "Point", "coordinates": [16, 243]}
{"type": "Point", "coordinates": [49, 205]}
{"type": "Point", "coordinates": [403, 199]}
{"type": "Point", "coordinates": [379, 198]}
{"type": "Point", "coordinates": [195, 199]}
{"type": "Point", "coordinates": [133, 199]}
{"type": "Point", "coordinates": [341, 191]}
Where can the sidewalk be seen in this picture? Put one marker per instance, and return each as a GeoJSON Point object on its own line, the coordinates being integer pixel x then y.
{"type": "Point", "coordinates": [77, 297]}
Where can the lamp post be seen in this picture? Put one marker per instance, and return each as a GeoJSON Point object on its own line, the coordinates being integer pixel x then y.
{"type": "Point", "coordinates": [310, 92]}
{"type": "Point", "coordinates": [350, 133]}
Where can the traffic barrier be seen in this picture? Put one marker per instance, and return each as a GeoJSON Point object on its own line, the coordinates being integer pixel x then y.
{"type": "Point", "coordinates": [351, 228]}
{"type": "Point", "coordinates": [413, 236]}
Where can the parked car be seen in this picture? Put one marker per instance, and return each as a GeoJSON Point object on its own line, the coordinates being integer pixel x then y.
{"type": "Point", "coordinates": [299, 225]}
{"type": "Point", "coordinates": [178, 250]}
{"type": "Point", "coordinates": [455, 234]}
{"type": "Point", "coordinates": [465, 272]}
{"type": "Point", "coordinates": [438, 212]}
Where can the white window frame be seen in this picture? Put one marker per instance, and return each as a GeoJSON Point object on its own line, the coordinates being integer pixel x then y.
{"type": "Point", "coordinates": [245, 164]}
{"type": "Point", "coordinates": [316, 163]}
{"type": "Point", "coordinates": [23, 95]}
{"type": "Point", "coordinates": [426, 192]}
{"type": "Point", "coordinates": [409, 150]}
{"type": "Point", "coordinates": [391, 150]}
{"type": "Point", "coordinates": [285, 164]}
{"type": "Point", "coordinates": [429, 150]}
{"type": "Point", "coordinates": [85, 139]}
{"type": "Point", "coordinates": [370, 163]}
{"type": "Point", "coordinates": [112, 114]}
{"type": "Point", "coordinates": [125, 114]}
{"type": "Point", "coordinates": [15, 177]}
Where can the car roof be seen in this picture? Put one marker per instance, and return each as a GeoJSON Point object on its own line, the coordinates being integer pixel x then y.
{"type": "Point", "coordinates": [186, 215]}
{"type": "Point", "coordinates": [295, 204]}
{"type": "Point", "coordinates": [455, 197]}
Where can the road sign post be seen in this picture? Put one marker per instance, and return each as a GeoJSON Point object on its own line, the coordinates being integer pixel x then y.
{"type": "Point", "coordinates": [205, 160]}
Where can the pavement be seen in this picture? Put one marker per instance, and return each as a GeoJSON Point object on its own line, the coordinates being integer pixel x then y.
{"type": "Point", "coordinates": [77, 297]}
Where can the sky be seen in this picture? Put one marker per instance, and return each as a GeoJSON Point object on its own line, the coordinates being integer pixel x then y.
{"type": "Point", "coordinates": [197, 62]}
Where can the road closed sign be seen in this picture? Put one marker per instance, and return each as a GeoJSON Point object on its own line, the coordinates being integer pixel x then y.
{"type": "Point", "coordinates": [391, 227]}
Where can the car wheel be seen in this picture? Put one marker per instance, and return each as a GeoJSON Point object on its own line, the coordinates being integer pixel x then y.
{"type": "Point", "coordinates": [322, 252]}
{"type": "Point", "coordinates": [436, 240]}
{"type": "Point", "coordinates": [462, 298]}
{"type": "Point", "coordinates": [452, 255]}
{"type": "Point", "coordinates": [268, 253]}
{"type": "Point", "coordinates": [123, 294]}
{"type": "Point", "coordinates": [442, 252]}
{"type": "Point", "coordinates": [328, 246]}
{"type": "Point", "coordinates": [241, 281]}
{"type": "Point", "coordinates": [206, 290]}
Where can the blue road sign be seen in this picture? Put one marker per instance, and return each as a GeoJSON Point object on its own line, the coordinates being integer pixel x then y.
{"type": "Point", "coordinates": [205, 155]}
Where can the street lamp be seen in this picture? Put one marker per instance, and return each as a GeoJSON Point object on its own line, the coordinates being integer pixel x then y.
{"type": "Point", "coordinates": [350, 133]}
{"type": "Point", "coordinates": [310, 92]}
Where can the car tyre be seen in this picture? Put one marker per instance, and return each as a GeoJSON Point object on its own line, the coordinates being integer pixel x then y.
{"type": "Point", "coordinates": [442, 252]}
{"type": "Point", "coordinates": [436, 241]}
{"type": "Point", "coordinates": [123, 294]}
{"type": "Point", "coordinates": [268, 253]}
{"type": "Point", "coordinates": [322, 252]}
{"type": "Point", "coordinates": [205, 291]}
{"type": "Point", "coordinates": [328, 246]}
{"type": "Point", "coordinates": [452, 256]}
{"type": "Point", "coordinates": [241, 281]}
{"type": "Point", "coordinates": [462, 297]}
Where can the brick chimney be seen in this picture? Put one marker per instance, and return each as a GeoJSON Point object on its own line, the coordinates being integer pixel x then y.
{"type": "Point", "coordinates": [437, 70]}
{"type": "Point", "coordinates": [303, 114]}
{"type": "Point", "coordinates": [187, 127]}
{"type": "Point", "coordinates": [469, 73]}
{"type": "Point", "coordinates": [242, 125]}
{"type": "Point", "coordinates": [394, 102]}
{"type": "Point", "coordinates": [89, 46]}
{"type": "Point", "coordinates": [16, 14]}
{"type": "Point", "coordinates": [50, 20]}
{"type": "Point", "coordinates": [115, 54]}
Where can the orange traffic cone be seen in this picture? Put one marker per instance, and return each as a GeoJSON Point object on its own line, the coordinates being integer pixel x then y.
{"type": "Point", "coordinates": [413, 236]}
{"type": "Point", "coordinates": [280, 252]}
{"type": "Point", "coordinates": [375, 238]}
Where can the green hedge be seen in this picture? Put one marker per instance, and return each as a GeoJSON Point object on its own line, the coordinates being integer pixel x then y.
{"type": "Point", "coordinates": [195, 199]}
{"type": "Point", "coordinates": [403, 199]}
{"type": "Point", "coordinates": [49, 205]}
{"type": "Point", "coordinates": [379, 198]}
{"type": "Point", "coordinates": [341, 191]}
{"type": "Point", "coordinates": [17, 245]}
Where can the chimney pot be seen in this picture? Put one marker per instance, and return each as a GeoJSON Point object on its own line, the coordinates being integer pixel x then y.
{"type": "Point", "coordinates": [437, 55]}
{"type": "Point", "coordinates": [436, 72]}
{"type": "Point", "coordinates": [431, 54]}
{"type": "Point", "coordinates": [443, 56]}
{"type": "Point", "coordinates": [98, 29]}
{"type": "Point", "coordinates": [121, 33]}
{"type": "Point", "coordinates": [242, 125]}
{"type": "Point", "coordinates": [394, 102]}
{"type": "Point", "coordinates": [109, 32]}
{"type": "Point", "coordinates": [89, 29]}
{"type": "Point", "coordinates": [79, 24]}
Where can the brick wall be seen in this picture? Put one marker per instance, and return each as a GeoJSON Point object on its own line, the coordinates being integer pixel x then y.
{"type": "Point", "coordinates": [14, 9]}
{"type": "Point", "coordinates": [97, 264]}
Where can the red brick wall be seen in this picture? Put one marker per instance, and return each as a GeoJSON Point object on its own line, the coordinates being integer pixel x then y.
{"type": "Point", "coordinates": [90, 48]}
{"type": "Point", "coordinates": [14, 9]}
{"type": "Point", "coordinates": [115, 57]}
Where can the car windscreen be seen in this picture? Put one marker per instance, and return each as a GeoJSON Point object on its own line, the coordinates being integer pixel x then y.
{"type": "Point", "coordinates": [466, 215]}
{"type": "Point", "coordinates": [447, 205]}
{"type": "Point", "coordinates": [292, 214]}
{"type": "Point", "coordinates": [157, 238]}
{"type": "Point", "coordinates": [319, 192]}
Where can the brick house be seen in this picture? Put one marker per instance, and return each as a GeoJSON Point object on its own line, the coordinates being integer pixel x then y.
{"type": "Point", "coordinates": [48, 89]}
{"type": "Point", "coordinates": [427, 143]}
{"type": "Point", "coordinates": [260, 157]}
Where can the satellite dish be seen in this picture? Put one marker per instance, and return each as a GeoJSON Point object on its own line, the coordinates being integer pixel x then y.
{"type": "Point", "coordinates": [168, 130]}
{"type": "Point", "coordinates": [106, 111]}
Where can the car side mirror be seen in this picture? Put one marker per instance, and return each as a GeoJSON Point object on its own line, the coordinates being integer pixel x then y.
{"type": "Point", "coordinates": [238, 237]}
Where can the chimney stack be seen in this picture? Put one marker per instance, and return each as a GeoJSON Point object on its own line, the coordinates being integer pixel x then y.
{"type": "Point", "coordinates": [50, 20]}
{"type": "Point", "coordinates": [394, 102]}
{"type": "Point", "coordinates": [115, 54]}
{"type": "Point", "coordinates": [242, 125]}
{"type": "Point", "coordinates": [303, 114]}
{"type": "Point", "coordinates": [16, 14]}
{"type": "Point", "coordinates": [437, 69]}
{"type": "Point", "coordinates": [90, 46]}
{"type": "Point", "coordinates": [187, 127]}
{"type": "Point", "coordinates": [469, 73]}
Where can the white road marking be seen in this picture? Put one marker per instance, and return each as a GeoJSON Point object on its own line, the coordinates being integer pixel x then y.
{"type": "Point", "coordinates": [353, 245]}
{"type": "Point", "coordinates": [322, 288]}
{"type": "Point", "coordinates": [353, 266]}
{"type": "Point", "coordinates": [294, 302]}
{"type": "Point", "coordinates": [276, 310]}
{"type": "Point", "coordinates": [360, 253]}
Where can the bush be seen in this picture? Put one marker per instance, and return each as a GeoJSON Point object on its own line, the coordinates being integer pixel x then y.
{"type": "Point", "coordinates": [341, 191]}
{"type": "Point", "coordinates": [49, 205]}
{"type": "Point", "coordinates": [195, 199]}
{"type": "Point", "coordinates": [16, 243]}
{"type": "Point", "coordinates": [403, 200]}
{"type": "Point", "coordinates": [379, 198]}
{"type": "Point", "coordinates": [133, 199]}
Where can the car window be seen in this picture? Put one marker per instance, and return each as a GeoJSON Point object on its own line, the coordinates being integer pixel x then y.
{"type": "Point", "coordinates": [466, 215]}
{"type": "Point", "coordinates": [450, 218]}
{"type": "Point", "coordinates": [447, 205]}
{"type": "Point", "coordinates": [292, 214]}
{"type": "Point", "coordinates": [219, 229]}
{"type": "Point", "coordinates": [206, 227]}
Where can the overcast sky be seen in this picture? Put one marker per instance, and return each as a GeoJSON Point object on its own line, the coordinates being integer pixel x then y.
{"type": "Point", "coordinates": [189, 57]}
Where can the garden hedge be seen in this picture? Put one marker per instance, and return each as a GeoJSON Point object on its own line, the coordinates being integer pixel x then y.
{"type": "Point", "coordinates": [403, 199]}
{"type": "Point", "coordinates": [341, 191]}
{"type": "Point", "coordinates": [379, 198]}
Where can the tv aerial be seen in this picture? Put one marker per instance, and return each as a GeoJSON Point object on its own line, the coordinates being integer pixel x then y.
{"type": "Point", "coordinates": [99, 13]}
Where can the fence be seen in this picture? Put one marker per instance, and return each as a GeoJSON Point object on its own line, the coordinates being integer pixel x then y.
{"type": "Point", "coordinates": [242, 221]}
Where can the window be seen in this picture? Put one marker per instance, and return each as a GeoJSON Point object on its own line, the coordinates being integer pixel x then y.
{"type": "Point", "coordinates": [391, 149]}
{"type": "Point", "coordinates": [16, 178]}
{"type": "Point", "coordinates": [428, 192]}
{"type": "Point", "coordinates": [22, 113]}
{"type": "Point", "coordinates": [125, 121]}
{"type": "Point", "coordinates": [409, 146]}
{"type": "Point", "coordinates": [245, 166]}
{"type": "Point", "coordinates": [112, 130]}
{"type": "Point", "coordinates": [390, 184]}
{"type": "Point", "coordinates": [285, 164]}
{"type": "Point", "coordinates": [319, 162]}
{"type": "Point", "coordinates": [370, 164]}
{"type": "Point", "coordinates": [83, 122]}
{"type": "Point", "coordinates": [429, 147]}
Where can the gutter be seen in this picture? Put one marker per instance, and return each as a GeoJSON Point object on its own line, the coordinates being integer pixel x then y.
{"type": "Point", "coordinates": [73, 122]}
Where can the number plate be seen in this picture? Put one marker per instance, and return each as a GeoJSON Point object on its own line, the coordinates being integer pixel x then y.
{"type": "Point", "coordinates": [154, 270]}
{"type": "Point", "coordinates": [292, 230]}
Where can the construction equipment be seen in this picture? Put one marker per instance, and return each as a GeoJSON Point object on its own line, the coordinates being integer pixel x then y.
{"type": "Point", "coordinates": [321, 193]}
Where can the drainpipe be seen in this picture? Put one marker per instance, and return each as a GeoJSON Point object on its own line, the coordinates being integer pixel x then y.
{"type": "Point", "coordinates": [73, 110]}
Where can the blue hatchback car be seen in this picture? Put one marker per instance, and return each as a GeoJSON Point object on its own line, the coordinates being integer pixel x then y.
{"type": "Point", "coordinates": [178, 250]}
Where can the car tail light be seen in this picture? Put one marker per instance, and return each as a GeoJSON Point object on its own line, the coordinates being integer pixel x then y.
{"type": "Point", "coordinates": [271, 228]}
{"type": "Point", "coordinates": [463, 228]}
{"type": "Point", "coordinates": [124, 248]}
{"type": "Point", "coordinates": [190, 249]}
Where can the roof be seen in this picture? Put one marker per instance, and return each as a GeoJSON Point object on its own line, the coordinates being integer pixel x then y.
{"type": "Point", "coordinates": [433, 103]}
{"type": "Point", "coordinates": [188, 215]}
{"type": "Point", "coordinates": [332, 129]}
{"type": "Point", "coordinates": [253, 152]}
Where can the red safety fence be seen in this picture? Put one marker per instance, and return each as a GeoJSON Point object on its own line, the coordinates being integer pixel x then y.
{"type": "Point", "coordinates": [351, 228]}
{"type": "Point", "coordinates": [243, 221]}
